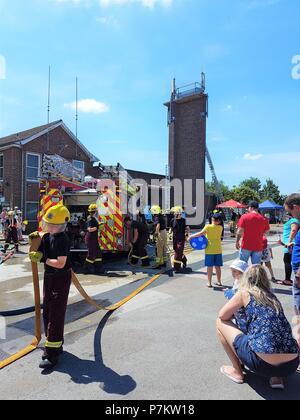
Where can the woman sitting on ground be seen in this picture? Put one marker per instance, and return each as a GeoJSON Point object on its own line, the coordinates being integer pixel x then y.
{"type": "Point", "coordinates": [267, 347]}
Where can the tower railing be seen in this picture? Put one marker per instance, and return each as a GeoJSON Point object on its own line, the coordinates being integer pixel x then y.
{"type": "Point", "coordinates": [188, 90]}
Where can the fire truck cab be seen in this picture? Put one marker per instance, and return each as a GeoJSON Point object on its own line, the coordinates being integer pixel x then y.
{"type": "Point", "coordinates": [62, 183]}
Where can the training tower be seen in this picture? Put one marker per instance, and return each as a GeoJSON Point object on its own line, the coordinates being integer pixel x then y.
{"type": "Point", "coordinates": [187, 115]}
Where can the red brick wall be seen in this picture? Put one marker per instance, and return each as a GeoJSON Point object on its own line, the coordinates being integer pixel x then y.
{"type": "Point", "coordinates": [60, 143]}
{"type": "Point", "coordinates": [12, 179]}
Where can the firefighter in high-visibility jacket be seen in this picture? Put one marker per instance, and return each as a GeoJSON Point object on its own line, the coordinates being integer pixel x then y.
{"type": "Point", "coordinates": [54, 252]}
{"type": "Point", "coordinates": [161, 237]}
{"type": "Point", "coordinates": [93, 262]}
{"type": "Point", "coordinates": [180, 231]}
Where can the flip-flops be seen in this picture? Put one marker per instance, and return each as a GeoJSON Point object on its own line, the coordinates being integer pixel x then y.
{"type": "Point", "coordinates": [232, 378]}
{"type": "Point", "coordinates": [284, 283]}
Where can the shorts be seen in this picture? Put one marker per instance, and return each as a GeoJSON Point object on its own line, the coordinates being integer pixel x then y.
{"type": "Point", "coordinates": [258, 366]}
{"type": "Point", "coordinates": [214, 260]}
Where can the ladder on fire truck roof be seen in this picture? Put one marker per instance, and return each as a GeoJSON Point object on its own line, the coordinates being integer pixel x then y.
{"type": "Point", "coordinates": [217, 185]}
{"type": "Point", "coordinates": [54, 166]}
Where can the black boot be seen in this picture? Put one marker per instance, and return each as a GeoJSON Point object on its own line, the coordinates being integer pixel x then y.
{"type": "Point", "coordinates": [99, 269]}
{"type": "Point", "coordinates": [48, 364]}
{"type": "Point", "coordinates": [184, 262]}
{"type": "Point", "coordinates": [45, 354]}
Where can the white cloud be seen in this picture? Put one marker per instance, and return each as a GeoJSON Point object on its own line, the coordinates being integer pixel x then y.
{"type": "Point", "coordinates": [248, 156]}
{"type": "Point", "coordinates": [108, 20]}
{"type": "Point", "coordinates": [88, 106]}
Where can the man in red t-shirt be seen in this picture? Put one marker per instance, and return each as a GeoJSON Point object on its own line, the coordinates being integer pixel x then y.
{"type": "Point", "coordinates": [252, 229]}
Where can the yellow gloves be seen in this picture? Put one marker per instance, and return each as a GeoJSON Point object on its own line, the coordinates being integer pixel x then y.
{"type": "Point", "coordinates": [35, 256]}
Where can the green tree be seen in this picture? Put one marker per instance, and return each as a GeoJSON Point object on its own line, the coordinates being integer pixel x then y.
{"type": "Point", "coordinates": [210, 187]}
{"type": "Point", "coordinates": [270, 191]}
{"type": "Point", "coordinates": [244, 194]}
{"type": "Point", "coordinates": [253, 183]}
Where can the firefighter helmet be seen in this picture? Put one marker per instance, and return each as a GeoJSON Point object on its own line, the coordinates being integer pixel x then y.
{"type": "Point", "coordinates": [57, 215]}
{"type": "Point", "coordinates": [177, 210]}
{"type": "Point", "coordinates": [155, 210]}
{"type": "Point", "coordinates": [92, 208]}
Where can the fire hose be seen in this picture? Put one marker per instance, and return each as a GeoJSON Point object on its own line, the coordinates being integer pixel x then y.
{"type": "Point", "coordinates": [38, 331]}
{"type": "Point", "coordinates": [37, 299]}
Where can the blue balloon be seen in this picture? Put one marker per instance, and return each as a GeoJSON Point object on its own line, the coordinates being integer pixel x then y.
{"type": "Point", "coordinates": [199, 243]}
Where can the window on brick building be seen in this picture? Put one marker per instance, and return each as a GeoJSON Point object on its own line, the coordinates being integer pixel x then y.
{"type": "Point", "coordinates": [32, 210]}
{"type": "Point", "coordinates": [1, 167]}
{"type": "Point", "coordinates": [33, 164]}
{"type": "Point", "coordinates": [78, 164]}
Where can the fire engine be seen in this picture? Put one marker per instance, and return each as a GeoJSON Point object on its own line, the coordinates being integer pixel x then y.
{"type": "Point", "coordinates": [62, 183]}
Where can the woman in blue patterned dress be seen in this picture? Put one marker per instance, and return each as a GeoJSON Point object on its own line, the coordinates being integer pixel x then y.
{"type": "Point", "coordinates": [266, 346]}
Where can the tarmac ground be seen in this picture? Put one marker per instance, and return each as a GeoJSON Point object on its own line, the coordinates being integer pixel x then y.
{"type": "Point", "coordinates": [161, 345]}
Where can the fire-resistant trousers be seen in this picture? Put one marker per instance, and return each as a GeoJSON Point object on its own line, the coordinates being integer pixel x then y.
{"type": "Point", "coordinates": [56, 293]}
{"type": "Point", "coordinates": [179, 258]}
{"type": "Point", "coordinates": [139, 251]}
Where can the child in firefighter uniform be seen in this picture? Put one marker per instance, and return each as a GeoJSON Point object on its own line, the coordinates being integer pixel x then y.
{"type": "Point", "coordinates": [180, 231]}
{"type": "Point", "coordinates": [54, 253]}
{"type": "Point", "coordinates": [93, 262]}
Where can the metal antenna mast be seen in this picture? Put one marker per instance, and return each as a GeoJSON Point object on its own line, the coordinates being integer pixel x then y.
{"type": "Point", "coordinates": [77, 107]}
{"type": "Point", "coordinates": [48, 107]}
{"type": "Point", "coordinates": [49, 93]}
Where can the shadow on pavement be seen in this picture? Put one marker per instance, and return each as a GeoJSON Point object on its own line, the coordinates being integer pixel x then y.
{"type": "Point", "coordinates": [261, 387]}
{"type": "Point", "coordinates": [85, 372]}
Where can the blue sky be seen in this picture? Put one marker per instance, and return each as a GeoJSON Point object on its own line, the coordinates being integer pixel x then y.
{"type": "Point", "coordinates": [125, 53]}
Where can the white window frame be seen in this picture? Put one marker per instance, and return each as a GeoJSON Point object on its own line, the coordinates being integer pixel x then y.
{"type": "Point", "coordinates": [2, 155]}
{"type": "Point", "coordinates": [32, 202]}
{"type": "Point", "coordinates": [39, 167]}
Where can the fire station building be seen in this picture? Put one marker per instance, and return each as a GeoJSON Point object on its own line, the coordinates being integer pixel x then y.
{"type": "Point", "coordinates": [21, 157]}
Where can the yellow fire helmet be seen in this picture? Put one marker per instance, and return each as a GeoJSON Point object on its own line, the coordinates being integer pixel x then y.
{"type": "Point", "coordinates": [57, 215]}
{"type": "Point", "coordinates": [92, 208]}
{"type": "Point", "coordinates": [155, 210]}
{"type": "Point", "coordinates": [177, 210]}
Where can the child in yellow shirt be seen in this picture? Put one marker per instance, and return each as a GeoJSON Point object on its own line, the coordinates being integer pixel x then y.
{"type": "Point", "coordinates": [213, 253]}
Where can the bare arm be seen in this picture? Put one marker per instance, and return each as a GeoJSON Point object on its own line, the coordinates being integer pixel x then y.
{"type": "Point", "coordinates": [157, 230]}
{"type": "Point", "coordinates": [199, 234]}
{"type": "Point", "coordinates": [294, 231]}
{"type": "Point", "coordinates": [91, 230]}
{"type": "Point", "coordinates": [239, 235]}
{"type": "Point", "coordinates": [231, 307]}
{"type": "Point", "coordinates": [59, 263]}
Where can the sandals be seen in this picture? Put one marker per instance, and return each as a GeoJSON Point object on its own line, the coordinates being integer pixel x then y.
{"type": "Point", "coordinates": [232, 378]}
{"type": "Point", "coordinates": [285, 283]}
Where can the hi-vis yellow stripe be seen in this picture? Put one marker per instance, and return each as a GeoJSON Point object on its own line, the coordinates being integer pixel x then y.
{"type": "Point", "coordinates": [51, 345]}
